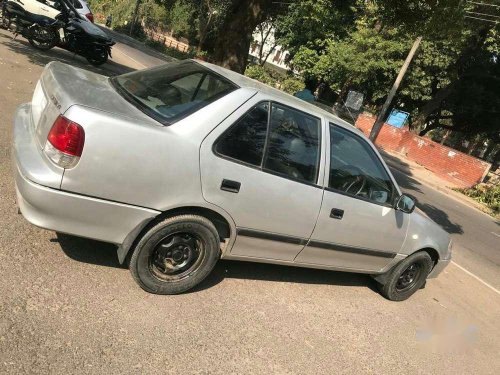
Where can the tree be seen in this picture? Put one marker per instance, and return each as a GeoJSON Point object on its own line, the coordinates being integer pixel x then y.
{"type": "Point", "coordinates": [266, 33]}
{"type": "Point", "coordinates": [234, 35]}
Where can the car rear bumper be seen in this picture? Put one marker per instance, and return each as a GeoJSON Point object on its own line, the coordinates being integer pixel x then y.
{"type": "Point", "coordinates": [438, 268]}
{"type": "Point", "coordinates": [50, 208]}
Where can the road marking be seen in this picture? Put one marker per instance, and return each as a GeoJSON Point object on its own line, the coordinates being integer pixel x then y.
{"type": "Point", "coordinates": [477, 278]}
{"type": "Point", "coordinates": [131, 58]}
{"type": "Point", "coordinates": [496, 234]}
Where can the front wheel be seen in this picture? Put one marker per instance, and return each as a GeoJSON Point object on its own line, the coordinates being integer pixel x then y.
{"type": "Point", "coordinates": [98, 57]}
{"type": "Point", "coordinates": [407, 277]}
{"type": "Point", "coordinates": [42, 38]}
{"type": "Point", "coordinates": [175, 255]}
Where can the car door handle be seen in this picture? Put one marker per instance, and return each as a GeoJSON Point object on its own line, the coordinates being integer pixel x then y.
{"type": "Point", "coordinates": [336, 213]}
{"type": "Point", "coordinates": [231, 186]}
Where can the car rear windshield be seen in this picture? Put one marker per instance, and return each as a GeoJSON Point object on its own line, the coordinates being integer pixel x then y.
{"type": "Point", "coordinates": [173, 91]}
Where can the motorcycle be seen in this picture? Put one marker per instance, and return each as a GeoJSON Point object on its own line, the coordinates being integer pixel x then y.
{"type": "Point", "coordinates": [33, 20]}
{"type": "Point", "coordinates": [59, 25]}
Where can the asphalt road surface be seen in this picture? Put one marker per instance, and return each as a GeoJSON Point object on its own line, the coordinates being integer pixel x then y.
{"type": "Point", "coordinates": [66, 305]}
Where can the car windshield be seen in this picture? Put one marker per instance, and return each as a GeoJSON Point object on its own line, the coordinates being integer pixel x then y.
{"type": "Point", "coordinates": [173, 91]}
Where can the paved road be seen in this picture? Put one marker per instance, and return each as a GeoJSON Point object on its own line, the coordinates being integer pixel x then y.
{"type": "Point", "coordinates": [66, 306]}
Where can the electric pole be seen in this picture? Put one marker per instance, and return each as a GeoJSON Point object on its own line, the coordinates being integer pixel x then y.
{"type": "Point", "coordinates": [383, 112]}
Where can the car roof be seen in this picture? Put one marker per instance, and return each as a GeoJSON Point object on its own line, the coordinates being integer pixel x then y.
{"type": "Point", "coordinates": [249, 83]}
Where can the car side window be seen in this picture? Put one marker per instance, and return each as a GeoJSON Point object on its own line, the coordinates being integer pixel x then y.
{"type": "Point", "coordinates": [356, 170]}
{"type": "Point", "coordinates": [293, 145]}
{"type": "Point", "coordinates": [245, 140]}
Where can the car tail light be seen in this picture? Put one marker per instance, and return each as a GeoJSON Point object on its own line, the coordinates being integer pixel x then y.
{"type": "Point", "coordinates": [90, 17]}
{"type": "Point", "coordinates": [65, 142]}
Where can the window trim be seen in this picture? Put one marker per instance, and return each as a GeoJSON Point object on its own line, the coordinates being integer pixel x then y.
{"type": "Point", "coordinates": [395, 190]}
{"type": "Point", "coordinates": [260, 167]}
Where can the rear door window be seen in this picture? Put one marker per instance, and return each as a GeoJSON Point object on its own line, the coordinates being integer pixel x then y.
{"type": "Point", "coordinates": [244, 141]}
{"type": "Point", "coordinates": [277, 139]}
{"type": "Point", "coordinates": [293, 145]}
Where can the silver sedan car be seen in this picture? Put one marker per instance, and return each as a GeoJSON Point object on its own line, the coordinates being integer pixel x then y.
{"type": "Point", "coordinates": [186, 163]}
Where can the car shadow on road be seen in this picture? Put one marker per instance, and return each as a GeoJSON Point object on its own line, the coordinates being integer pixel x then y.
{"type": "Point", "coordinates": [441, 218]}
{"type": "Point", "coordinates": [104, 254]}
{"type": "Point", "coordinates": [41, 58]}
{"type": "Point", "coordinates": [88, 251]}
{"type": "Point", "coordinates": [226, 269]}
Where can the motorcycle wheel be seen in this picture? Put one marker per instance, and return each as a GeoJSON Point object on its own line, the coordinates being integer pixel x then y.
{"type": "Point", "coordinates": [42, 38]}
{"type": "Point", "coordinates": [98, 57]}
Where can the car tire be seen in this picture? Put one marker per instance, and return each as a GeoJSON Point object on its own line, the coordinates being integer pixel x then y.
{"type": "Point", "coordinates": [175, 255]}
{"type": "Point", "coordinates": [407, 277]}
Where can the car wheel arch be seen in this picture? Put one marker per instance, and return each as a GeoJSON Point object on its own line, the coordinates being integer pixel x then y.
{"type": "Point", "coordinates": [222, 225]}
{"type": "Point", "coordinates": [433, 253]}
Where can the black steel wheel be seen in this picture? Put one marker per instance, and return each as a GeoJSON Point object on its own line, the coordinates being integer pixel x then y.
{"type": "Point", "coordinates": [175, 255]}
{"type": "Point", "coordinates": [42, 38]}
{"type": "Point", "coordinates": [407, 277]}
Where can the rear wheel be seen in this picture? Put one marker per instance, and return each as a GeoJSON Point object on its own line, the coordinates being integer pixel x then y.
{"type": "Point", "coordinates": [175, 255]}
{"type": "Point", "coordinates": [42, 38]}
{"type": "Point", "coordinates": [407, 277]}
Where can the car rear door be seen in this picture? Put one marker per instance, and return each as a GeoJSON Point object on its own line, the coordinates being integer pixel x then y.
{"type": "Point", "coordinates": [262, 166]}
{"type": "Point", "coordinates": [357, 226]}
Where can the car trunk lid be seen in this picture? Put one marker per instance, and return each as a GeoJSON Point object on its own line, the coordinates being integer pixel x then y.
{"type": "Point", "coordinates": [62, 86]}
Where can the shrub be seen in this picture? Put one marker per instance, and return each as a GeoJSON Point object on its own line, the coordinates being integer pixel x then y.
{"type": "Point", "coordinates": [260, 74]}
{"type": "Point", "coordinates": [486, 194]}
{"type": "Point", "coordinates": [292, 85]}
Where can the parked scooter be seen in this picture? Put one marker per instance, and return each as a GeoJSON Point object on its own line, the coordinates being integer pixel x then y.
{"type": "Point", "coordinates": [57, 25]}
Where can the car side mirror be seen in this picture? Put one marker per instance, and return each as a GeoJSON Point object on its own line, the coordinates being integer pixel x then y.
{"type": "Point", "coordinates": [406, 203]}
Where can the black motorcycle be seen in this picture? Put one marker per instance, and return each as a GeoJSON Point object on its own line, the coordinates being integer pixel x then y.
{"type": "Point", "coordinates": [82, 37]}
{"type": "Point", "coordinates": [67, 30]}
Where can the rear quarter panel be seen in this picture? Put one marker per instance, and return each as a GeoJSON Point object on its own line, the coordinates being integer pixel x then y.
{"type": "Point", "coordinates": [145, 165]}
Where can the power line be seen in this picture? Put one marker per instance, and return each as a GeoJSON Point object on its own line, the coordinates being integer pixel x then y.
{"type": "Point", "coordinates": [485, 4]}
{"type": "Point", "coordinates": [483, 14]}
{"type": "Point", "coordinates": [482, 19]}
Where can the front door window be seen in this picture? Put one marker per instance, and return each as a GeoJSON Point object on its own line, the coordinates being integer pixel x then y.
{"type": "Point", "coordinates": [356, 170]}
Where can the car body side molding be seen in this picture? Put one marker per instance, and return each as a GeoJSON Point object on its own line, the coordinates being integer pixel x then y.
{"type": "Point", "coordinates": [303, 241]}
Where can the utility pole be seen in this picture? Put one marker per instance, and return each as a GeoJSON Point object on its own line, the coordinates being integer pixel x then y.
{"type": "Point", "coordinates": [383, 112]}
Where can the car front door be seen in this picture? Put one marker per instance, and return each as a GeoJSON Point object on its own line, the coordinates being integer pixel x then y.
{"type": "Point", "coordinates": [262, 166]}
{"type": "Point", "coordinates": [357, 228]}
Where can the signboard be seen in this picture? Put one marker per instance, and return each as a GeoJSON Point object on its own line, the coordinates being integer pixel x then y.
{"type": "Point", "coordinates": [397, 118]}
{"type": "Point", "coordinates": [354, 100]}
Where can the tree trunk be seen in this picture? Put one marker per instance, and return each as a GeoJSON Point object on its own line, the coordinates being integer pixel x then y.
{"type": "Point", "coordinates": [235, 35]}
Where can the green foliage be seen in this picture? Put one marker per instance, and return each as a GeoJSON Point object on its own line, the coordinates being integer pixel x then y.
{"type": "Point", "coordinates": [367, 59]}
{"type": "Point", "coordinates": [486, 194]}
{"type": "Point", "coordinates": [292, 85]}
{"type": "Point", "coordinates": [182, 19]}
{"type": "Point", "coordinates": [308, 23]}
{"type": "Point", "coordinates": [260, 74]}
